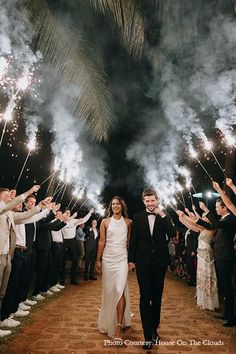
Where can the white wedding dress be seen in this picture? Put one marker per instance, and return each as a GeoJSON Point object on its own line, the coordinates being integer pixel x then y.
{"type": "Point", "coordinates": [207, 292]}
{"type": "Point", "coordinates": [114, 277]}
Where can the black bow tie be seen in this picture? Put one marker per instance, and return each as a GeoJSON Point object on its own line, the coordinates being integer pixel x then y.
{"type": "Point", "coordinates": [149, 213]}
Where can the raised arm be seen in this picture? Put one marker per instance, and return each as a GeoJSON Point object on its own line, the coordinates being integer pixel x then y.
{"type": "Point", "coordinates": [230, 184]}
{"type": "Point", "coordinates": [84, 219]}
{"type": "Point", "coordinates": [20, 199]}
{"type": "Point", "coordinates": [226, 200]}
{"type": "Point", "coordinates": [188, 222]}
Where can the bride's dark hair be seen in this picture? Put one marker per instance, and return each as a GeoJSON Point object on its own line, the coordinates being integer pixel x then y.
{"type": "Point", "coordinates": [124, 211]}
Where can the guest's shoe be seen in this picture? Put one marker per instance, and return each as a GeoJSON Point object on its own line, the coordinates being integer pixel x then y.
{"type": "Point", "coordinates": [220, 316]}
{"type": "Point", "coordinates": [191, 284]}
{"type": "Point", "coordinates": [229, 323]}
{"type": "Point", "coordinates": [48, 292]}
{"type": "Point", "coordinates": [59, 286]}
{"type": "Point", "coordinates": [147, 345]}
{"type": "Point", "coordinates": [21, 313]}
{"type": "Point", "coordinates": [86, 277]}
{"type": "Point", "coordinates": [30, 302]}
{"type": "Point", "coordinates": [75, 282]}
{"type": "Point", "coordinates": [54, 289]}
{"type": "Point", "coordinates": [155, 337]}
{"type": "Point", "coordinates": [92, 278]}
{"type": "Point", "coordinates": [9, 323]}
{"type": "Point", "coordinates": [24, 307]}
{"type": "Point", "coordinates": [38, 297]}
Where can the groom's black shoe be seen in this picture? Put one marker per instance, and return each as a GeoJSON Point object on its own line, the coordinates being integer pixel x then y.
{"type": "Point", "coordinates": [155, 337]}
{"type": "Point", "coordinates": [147, 345]}
{"type": "Point", "coordinates": [220, 316]}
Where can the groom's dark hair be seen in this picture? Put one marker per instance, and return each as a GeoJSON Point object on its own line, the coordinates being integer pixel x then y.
{"type": "Point", "coordinates": [148, 192]}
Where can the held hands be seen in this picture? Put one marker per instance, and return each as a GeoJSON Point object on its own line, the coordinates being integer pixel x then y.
{"type": "Point", "coordinates": [132, 267]}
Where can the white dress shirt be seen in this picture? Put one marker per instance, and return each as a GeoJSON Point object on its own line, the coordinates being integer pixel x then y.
{"type": "Point", "coordinates": [151, 221]}
{"type": "Point", "coordinates": [20, 226]}
{"type": "Point", "coordinates": [57, 236]}
{"type": "Point", "coordinates": [69, 230]}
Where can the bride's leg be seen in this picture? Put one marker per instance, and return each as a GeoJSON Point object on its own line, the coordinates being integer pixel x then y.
{"type": "Point", "coordinates": [120, 308]}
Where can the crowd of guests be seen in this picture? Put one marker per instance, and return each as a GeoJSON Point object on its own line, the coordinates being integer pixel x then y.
{"type": "Point", "coordinates": [35, 243]}
{"type": "Point", "coordinates": [36, 240]}
{"type": "Point", "coordinates": [204, 253]}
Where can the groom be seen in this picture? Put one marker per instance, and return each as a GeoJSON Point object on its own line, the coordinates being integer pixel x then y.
{"type": "Point", "coordinates": [149, 255]}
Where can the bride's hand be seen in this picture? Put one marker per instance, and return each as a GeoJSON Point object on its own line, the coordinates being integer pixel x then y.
{"type": "Point", "coordinates": [98, 267]}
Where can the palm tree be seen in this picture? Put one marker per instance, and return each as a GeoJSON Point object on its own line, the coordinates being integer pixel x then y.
{"type": "Point", "coordinates": [67, 55]}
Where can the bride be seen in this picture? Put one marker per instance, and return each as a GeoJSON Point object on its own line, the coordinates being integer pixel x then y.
{"type": "Point", "coordinates": [112, 248]}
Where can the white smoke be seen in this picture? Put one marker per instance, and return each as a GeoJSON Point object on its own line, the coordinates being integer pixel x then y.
{"type": "Point", "coordinates": [196, 87]}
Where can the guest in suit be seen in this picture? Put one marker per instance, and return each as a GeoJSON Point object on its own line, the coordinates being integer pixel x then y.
{"type": "Point", "coordinates": [223, 253]}
{"type": "Point", "coordinates": [191, 244]}
{"type": "Point", "coordinates": [44, 262]}
{"type": "Point", "coordinates": [149, 255]}
{"type": "Point", "coordinates": [7, 235]}
{"type": "Point", "coordinates": [90, 246]}
{"type": "Point", "coordinates": [12, 301]}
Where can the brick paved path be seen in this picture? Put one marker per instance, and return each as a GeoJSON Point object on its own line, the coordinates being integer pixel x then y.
{"type": "Point", "coordinates": [66, 324]}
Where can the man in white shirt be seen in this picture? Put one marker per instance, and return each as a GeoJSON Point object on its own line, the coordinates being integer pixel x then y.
{"type": "Point", "coordinates": [69, 232]}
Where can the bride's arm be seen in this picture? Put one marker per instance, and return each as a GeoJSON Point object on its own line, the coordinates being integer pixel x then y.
{"type": "Point", "coordinates": [128, 223]}
{"type": "Point", "coordinates": [101, 245]}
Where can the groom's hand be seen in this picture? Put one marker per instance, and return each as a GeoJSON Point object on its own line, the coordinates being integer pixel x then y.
{"type": "Point", "coordinates": [132, 267]}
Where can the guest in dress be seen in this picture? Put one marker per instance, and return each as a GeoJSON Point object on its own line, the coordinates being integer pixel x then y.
{"type": "Point", "coordinates": [206, 289]}
{"type": "Point", "coordinates": [112, 248]}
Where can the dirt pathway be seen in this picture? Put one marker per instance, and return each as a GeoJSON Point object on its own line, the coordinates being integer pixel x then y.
{"type": "Point", "coordinates": [66, 324]}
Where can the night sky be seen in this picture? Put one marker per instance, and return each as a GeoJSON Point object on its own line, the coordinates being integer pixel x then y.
{"type": "Point", "coordinates": [134, 108]}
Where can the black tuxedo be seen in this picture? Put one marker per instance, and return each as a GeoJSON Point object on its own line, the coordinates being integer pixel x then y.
{"type": "Point", "coordinates": [150, 253]}
{"type": "Point", "coordinates": [223, 253]}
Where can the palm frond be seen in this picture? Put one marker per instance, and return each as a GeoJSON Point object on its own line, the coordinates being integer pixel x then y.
{"type": "Point", "coordinates": [68, 58]}
{"type": "Point", "coordinates": [129, 19]}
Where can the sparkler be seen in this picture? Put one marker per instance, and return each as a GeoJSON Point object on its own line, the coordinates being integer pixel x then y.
{"type": "Point", "coordinates": [31, 146]}
{"type": "Point", "coordinates": [58, 191]}
{"type": "Point", "coordinates": [57, 188]}
{"type": "Point", "coordinates": [63, 191]}
{"type": "Point", "coordinates": [208, 147]}
{"type": "Point", "coordinates": [180, 189]}
{"type": "Point", "coordinates": [194, 155]}
{"type": "Point", "coordinates": [53, 173]}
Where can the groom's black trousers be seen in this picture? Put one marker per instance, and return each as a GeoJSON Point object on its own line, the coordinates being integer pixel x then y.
{"type": "Point", "coordinates": [151, 283]}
